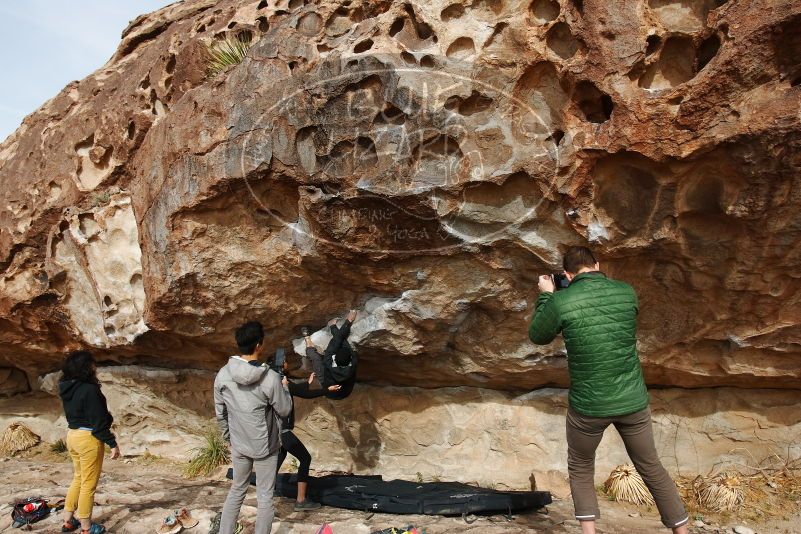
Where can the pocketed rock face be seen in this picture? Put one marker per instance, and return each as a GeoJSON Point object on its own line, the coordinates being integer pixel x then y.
{"type": "Point", "coordinates": [422, 162]}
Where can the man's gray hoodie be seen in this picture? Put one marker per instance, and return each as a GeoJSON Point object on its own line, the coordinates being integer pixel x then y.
{"type": "Point", "coordinates": [247, 399]}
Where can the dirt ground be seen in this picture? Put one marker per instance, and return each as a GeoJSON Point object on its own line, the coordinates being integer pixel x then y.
{"type": "Point", "coordinates": [135, 495]}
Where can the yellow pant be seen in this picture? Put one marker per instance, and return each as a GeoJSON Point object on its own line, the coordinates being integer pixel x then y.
{"type": "Point", "coordinates": [86, 452]}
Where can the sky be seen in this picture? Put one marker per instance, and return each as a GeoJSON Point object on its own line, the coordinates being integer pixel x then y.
{"type": "Point", "coordinates": [48, 43]}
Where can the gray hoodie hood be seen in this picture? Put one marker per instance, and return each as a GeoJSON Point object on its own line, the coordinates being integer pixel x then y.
{"type": "Point", "coordinates": [242, 372]}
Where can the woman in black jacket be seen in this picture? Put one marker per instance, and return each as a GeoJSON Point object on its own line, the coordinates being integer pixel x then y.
{"type": "Point", "coordinates": [89, 425]}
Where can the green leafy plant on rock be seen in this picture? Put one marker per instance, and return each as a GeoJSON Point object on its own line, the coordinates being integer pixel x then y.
{"type": "Point", "coordinates": [208, 457]}
{"type": "Point", "coordinates": [226, 52]}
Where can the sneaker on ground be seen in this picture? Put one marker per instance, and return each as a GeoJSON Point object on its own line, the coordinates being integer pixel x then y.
{"type": "Point", "coordinates": [71, 526]}
{"type": "Point", "coordinates": [95, 529]}
{"type": "Point", "coordinates": [306, 505]}
{"type": "Point", "coordinates": [214, 527]}
{"type": "Point", "coordinates": [185, 518]}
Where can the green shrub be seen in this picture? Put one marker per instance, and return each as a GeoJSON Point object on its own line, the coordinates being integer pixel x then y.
{"type": "Point", "coordinates": [208, 457]}
{"type": "Point", "coordinates": [227, 52]}
{"type": "Point", "coordinates": [59, 447]}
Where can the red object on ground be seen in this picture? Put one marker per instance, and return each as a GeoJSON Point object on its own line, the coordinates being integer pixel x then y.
{"type": "Point", "coordinates": [32, 506]}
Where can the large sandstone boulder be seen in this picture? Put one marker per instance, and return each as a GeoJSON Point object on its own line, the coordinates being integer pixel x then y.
{"type": "Point", "coordinates": [421, 162]}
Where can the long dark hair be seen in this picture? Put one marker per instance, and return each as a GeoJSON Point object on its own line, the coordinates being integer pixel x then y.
{"type": "Point", "coordinates": [79, 365]}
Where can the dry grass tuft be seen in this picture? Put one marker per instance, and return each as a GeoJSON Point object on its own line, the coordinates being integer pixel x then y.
{"type": "Point", "coordinates": [722, 493]}
{"type": "Point", "coordinates": [59, 447]}
{"type": "Point", "coordinates": [625, 484]}
{"type": "Point", "coordinates": [17, 438]}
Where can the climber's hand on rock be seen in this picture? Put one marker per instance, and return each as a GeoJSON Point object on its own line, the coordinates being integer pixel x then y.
{"type": "Point", "coordinates": [546, 284]}
{"type": "Point", "coordinates": [115, 453]}
{"type": "Point", "coordinates": [285, 381]}
{"type": "Point", "coordinates": [352, 315]}
{"type": "Point", "coordinates": [335, 387]}
{"type": "Point", "coordinates": [311, 378]}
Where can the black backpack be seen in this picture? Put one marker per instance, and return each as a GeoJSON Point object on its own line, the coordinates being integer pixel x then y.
{"type": "Point", "coordinates": [22, 518]}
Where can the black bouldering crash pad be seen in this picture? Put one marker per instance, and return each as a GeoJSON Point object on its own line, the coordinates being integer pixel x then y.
{"type": "Point", "coordinates": [373, 494]}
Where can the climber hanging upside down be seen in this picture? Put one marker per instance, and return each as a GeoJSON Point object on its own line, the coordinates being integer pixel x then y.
{"type": "Point", "coordinates": [336, 366]}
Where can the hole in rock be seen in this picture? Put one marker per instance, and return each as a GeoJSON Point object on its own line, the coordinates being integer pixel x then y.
{"type": "Point", "coordinates": [461, 48]}
{"type": "Point", "coordinates": [262, 4]}
{"type": "Point", "coordinates": [626, 192]}
{"type": "Point", "coordinates": [365, 152]}
{"type": "Point", "coordinates": [170, 66]}
{"type": "Point", "coordinates": [496, 31]}
{"type": "Point", "coordinates": [397, 26]}
{"type": "Point", "coordinates": [544, 10]}
{"type": "Point", "coordinates": [439, 146]}
{"type": "Point", "coordinates": [305, 147]}
{"type": "Point", "coordinates": [107, 301]}
{"type": "Point", "coordinates": [310, 24]}
{"type": "Point", "coordinates": [322, 48]}
{"type": "Point", "coordinates": [705, 196]}
{"type": "Point", "coordinates": [363, 46]}
{"type": "Point", "coordinates": [245, 36]}
{"type": "Point", "coordinates": [131, 129]}
{"type": "Point", "coordinates": [709, 49]}
{"type": "Point", "coordinates": [263, 24]}
{"type": "Point", "coordinates": [579, 5]}
{"type": "Point", "coordinates": [595, 104]}
{"type": "Point", "coordinates": [496, 6]}
{"type": "Point", "coordinates": [232, 25]}
{"type": "Point", "coordinates": [339, 23]}
{"type": "Point", "coordinates": [423, 30]}
{"type": "Point", "coordinates": [292, 65]}
{"type": "Point", "coordinates": [390, 115]}
{"type": "Point", "coordinates": [682, 15]}
{"type": "Point", "coordinates": [787, 50]}
{"type": "Point", "coordinates": [539, 101]}
{"type": "Point", "coordinates": [557, 136]}
{"type": "Point", "coordinates": [408, 58]}
{"type": "Point", "coordinates": [561, 41]}
{"type": "Point", "coordinates": [427, 62]}
{"type": "Point", "coordinates": [82, 147]}
{"type": "Point", "coordinates": [296, 4]}
{"type": "Point", "coordinates": [652, 44]}
{"type": "Point", "coordinates": [437, 161]}
{"type": "Point", "coordinates": [136, 280]}
{"type": "Point", "coordinates": [674, 66]}
{"type": "Point", "coordinates": [109, 330]}
{"type": "Point", "coordinates": [87, 225]}
{"type": "Point", "coordinates": [453, 11]}
{"type": "Point", "coordinates": [475, 103]}
{"type": "Point", "coordinates": [201, 28]}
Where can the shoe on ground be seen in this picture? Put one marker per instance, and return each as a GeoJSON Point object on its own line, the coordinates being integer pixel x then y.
{"type": "Point", "coordinates": [170, 525]}
{"type": "Point", "coordinates": [306, 505]}
{"type": "Point", "coordinates": [71, 526]}
{"type": "Point", "coordinates": [214, 527]}
{"type": "Point", "coordinates": [95, 529]}
{"type": "Point", "coordinates": [185, 518]}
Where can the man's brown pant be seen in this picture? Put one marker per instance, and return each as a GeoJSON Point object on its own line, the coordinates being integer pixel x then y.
{"type": "Point", "coordinates": [583, 436]}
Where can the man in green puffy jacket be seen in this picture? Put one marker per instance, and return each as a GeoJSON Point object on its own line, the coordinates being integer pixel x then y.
{"type": "Point", "coordinates": [598, 320]}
